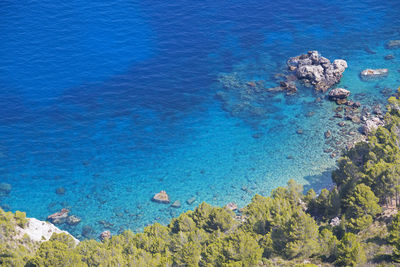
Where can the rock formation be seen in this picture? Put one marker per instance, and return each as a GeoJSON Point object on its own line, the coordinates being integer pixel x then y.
{"type": "Point", "coordinates": [73, 220]}
{"type": "Point", "coordinates": [58, 217]}
{"type": "Point", "coordinates": [5, 188]}
{"type": "Point", "coordinates": [369, 74]}
{"type": "Point", "coordinates": [161, 197]}
{"type": "Point", "coordinates": [339, 95]}
{"type": "Point", "coordinates": [40, 231]}
{"type": "Point", "coordinates": [317, 71]}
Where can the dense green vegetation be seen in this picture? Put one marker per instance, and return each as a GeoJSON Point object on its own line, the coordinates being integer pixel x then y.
{"type": "Point", "coordinates": [353, 224]}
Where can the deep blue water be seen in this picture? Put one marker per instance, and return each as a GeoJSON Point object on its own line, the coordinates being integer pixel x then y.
{"type": "Point", "coordinates": [115, 101]}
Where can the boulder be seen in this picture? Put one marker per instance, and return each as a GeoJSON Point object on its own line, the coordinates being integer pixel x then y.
{"type": "Point", "coordinates": [105, 235]}
{"type": "Point", "coordinates": [176, 204]}
{"type": "Point", "coordinates": [5, 188]}
{"type": "Point", "coordinates": [393, 44]}
{"type": "Point", "coordinates": [58, 217]}
{"type": "Point", "coordinates": [231, 206]}
{"type": "Point", "coordinates": [73, 220]}
{"type": "Point", "coordinates": [369, 74]}
{"type": "Point", "coordinates": [339, 95]}
{"type": "Point", "coordinates": [316, 70]}
{"type": "Point", "coordinates": [161, 197]}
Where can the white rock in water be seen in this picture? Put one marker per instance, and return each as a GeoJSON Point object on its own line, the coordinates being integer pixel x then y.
{"type": "Point", "coordinates": [40, 230]}
{"type": "Point", "coordinates": [374, 73]}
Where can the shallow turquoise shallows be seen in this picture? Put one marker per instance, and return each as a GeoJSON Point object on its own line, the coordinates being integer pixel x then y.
{"type": "Point", "coordinates": [116, 101]}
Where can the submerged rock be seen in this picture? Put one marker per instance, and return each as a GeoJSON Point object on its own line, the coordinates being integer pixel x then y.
{"type": "Point", "coordinates": [161, 197]}
{"type": "Point", "coordinates": [393, 44]}
{"type": "Point", "coordinates": [191, 200]}
{"type": "Point", "coordinates": [176, 204]}
{"type": "Point", "coordinates": [327, 134]}
{"type": "Point", "coordinates": [60, 191]}
{"type": "Point", "coordinates": [389, 57]}
{"type": "Point", "coordinates": [87, 231]}
{"type": "Point", "coordinates": [369, 74]}
{"type": "Point", "coordinates": [73, 220]}
{"type": "Point", "coordinates": [58, 217]}
{"type": "Point", "coordinates": [5, 188]}
{"type": "Point", "coordinates": [105, 235]}
{"type": "Point", "coordinates": [339, 95]}
{"type": "Point", "coordinates": [316, 70]}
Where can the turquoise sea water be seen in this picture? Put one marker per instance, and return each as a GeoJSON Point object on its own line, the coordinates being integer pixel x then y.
{"type": "Point", "coordinates": [115, 102]}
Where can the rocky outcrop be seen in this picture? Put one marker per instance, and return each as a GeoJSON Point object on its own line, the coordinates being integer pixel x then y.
{"type": "Point", "coordinates": [339, 95]}
{"type": "Point", "coordinates": [371, 124]}
{"type": "Point", "coordinates": [40, 231]}
{"type": "Point", "coordinates": [393, 44]}
{"type": "Point", "coordinates": [317, 71]}
{"type": "Point", "coordinates": [161, 197]}
{"type": "Point", "coordinates": [58, 217]}
{"type": "Point", "coordinates": [370, 74]}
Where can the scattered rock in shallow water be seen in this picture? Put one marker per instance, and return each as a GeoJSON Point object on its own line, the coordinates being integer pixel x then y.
{"type": "Point", "coordinates": [339, 95]}
{"type": "Point", "coordinates": [393, 44]}
{"type": "Point", "coordinates": [338, 115]}
{"type": "Point", "coordinates": [58, 217]}
{"type": "Point", "coordinates": [191, 200]}
{"type": "Point", "coordinates": [389, 57]}
{"type": "Point", "coordinates": [231, 206]}
{"type": "Point", "coordinates": [161, 197]}
{"type": "Point", "coordinates": [105, 235]}
{"type": "Point", "coordinates": [356, 119]}
{"type": "Point", "coordinates": [257, 135]}
{"type": "Point", "coordinates": [60, 191]}
{"type": "Point", "coordinates": [370, 74]}
{"type": "Point", "coordinates": [73, 220]}
{"type": "Point", "coordinates": [289, 87]}
{"type": "Point", "coordinates": [316, 70]}
{"type": "Point", "coordinates": [176, 204]}
{"type": "Point", "coordinates": [310, 114]}
{"type": "Point", "coordinates": [5, 189]}
{"type": "Point", "coordinates": [327, 134]}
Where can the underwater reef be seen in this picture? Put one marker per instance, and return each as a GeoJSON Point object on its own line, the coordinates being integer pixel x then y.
{"type": "Point", "coordinates": [354, 223]}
